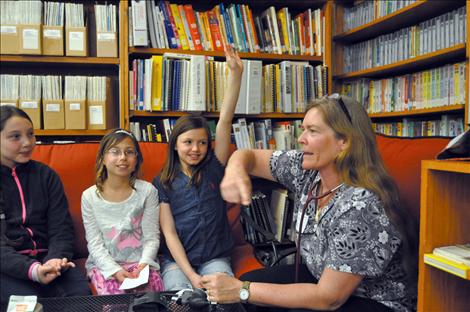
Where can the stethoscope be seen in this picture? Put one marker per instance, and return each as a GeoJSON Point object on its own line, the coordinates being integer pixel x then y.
{"type": "Point", "coordinates": [310, 197]}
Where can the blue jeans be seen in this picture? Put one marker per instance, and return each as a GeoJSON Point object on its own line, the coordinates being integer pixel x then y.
{"type": "Point", "coordinates": [175, 279]}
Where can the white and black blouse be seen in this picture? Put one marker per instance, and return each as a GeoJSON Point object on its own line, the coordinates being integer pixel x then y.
{"type": "Point", "coordinates": [353, 234]}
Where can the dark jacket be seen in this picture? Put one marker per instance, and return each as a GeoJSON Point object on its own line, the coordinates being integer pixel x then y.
{"type": "Point", "coordinates": [43, 230]}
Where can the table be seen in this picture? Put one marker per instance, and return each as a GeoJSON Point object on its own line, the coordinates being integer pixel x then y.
{"type": "Point", "coordinates": [120, 303]}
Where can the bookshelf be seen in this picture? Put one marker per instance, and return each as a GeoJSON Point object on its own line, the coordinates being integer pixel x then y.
{"type": "Point", "coordinates": [63, 65]}
{"type": "Point", "coordinates": [444, 220]}
{"type": "Point", "coordinates": [257, 7]}
{"type": "Point", "coordinates": [426, 63]}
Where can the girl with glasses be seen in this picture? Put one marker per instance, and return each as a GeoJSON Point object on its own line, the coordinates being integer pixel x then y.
{"type": "Point", "coordinates": [37, 237]}
{"type": "Point", "coordinates": [120, 215]}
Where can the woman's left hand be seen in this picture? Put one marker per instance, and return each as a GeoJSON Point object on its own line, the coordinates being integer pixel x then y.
{"type": "Point", "coordinates": [222, 288]}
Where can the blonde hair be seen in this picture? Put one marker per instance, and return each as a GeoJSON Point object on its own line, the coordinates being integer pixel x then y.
{"type": "Point", "coordinates": [361, 165]}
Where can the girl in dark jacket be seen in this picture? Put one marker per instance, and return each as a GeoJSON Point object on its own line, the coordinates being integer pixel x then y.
{"type": "Point", "coordinates": [36, 242]}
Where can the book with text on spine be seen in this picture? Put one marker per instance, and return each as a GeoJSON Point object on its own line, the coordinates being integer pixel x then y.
{"type": "Point", "coordinates": [449, 266]}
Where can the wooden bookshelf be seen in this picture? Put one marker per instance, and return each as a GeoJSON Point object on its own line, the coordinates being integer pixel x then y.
{"type": "Point", "coordinates": [425, 111]}
{"type": "Point", "coordinates": [444, 220]}
{"type": "Point", "coordinates": [129, 115]}
{"type": "Point", "coordinates": [67, 132]}
{"type": "Point", "coordinates": [407, 16]}
{"type": "Point", "coordinates": [434, 59]}
{"type": "Point", "coordinates": [170, 114]}
{"type": "Point", "coordinates": [410, 15]}
{"type": "Point", "coordinates": [258, 56]}
{"type": "Point", "coordinates": [59, 59]}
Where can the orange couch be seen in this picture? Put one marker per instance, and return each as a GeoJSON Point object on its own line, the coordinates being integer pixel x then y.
{"type": "Point", "coordinates": [75, 165]}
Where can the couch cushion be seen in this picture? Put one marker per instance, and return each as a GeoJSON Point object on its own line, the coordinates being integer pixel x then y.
{"type": "Point", "coordinates": [402, 157]}
{"type": "Point", "coordinates": [75, 164]}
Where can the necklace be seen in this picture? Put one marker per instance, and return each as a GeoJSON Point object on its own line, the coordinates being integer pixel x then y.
{"type": "Point", "coordinates": [325, 194]}
{"type": "Point", "coordinates": [311, 196]}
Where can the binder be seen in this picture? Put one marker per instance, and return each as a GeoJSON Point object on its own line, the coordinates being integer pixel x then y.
{"type": "Point", "coordinates": [106, 44]}
{"type": "Point", "coordinates": [53, 40]}
{"type": "Point", "coordinates": [53, 114]}
{"type": "Point", "coordinates": [75, 114]}
{"type": "Point", "coordinates": [102, 115]}
{"type": "Point", "coordinates": [76, 41]}
{"type": "Point", "coordinates": [30, 39]}
{"type": "Point", "coordinates": [33, 109]}
{"type": "Point", "coordinates": [9, 39]}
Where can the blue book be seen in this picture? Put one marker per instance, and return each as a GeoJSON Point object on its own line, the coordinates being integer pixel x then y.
{"type": "Point", "coordinates": [228, 25]}
{"type": "Point", "coordinates": [243, 37]}
{"type": "Point", "coordinates": [169, 29]}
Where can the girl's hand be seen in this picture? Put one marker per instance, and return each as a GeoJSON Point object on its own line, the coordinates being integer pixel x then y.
{"type": "Point", "coordinates": [234, 63]}
{"type": "Point", "coordinates": [60, 264]}
{"type": "Point", "coordinates": [121, 275]}
{"type": "Point", "coordinates": [137, 270]}
{"type": "Point", "coordinates": [195, 280]}
{"type": "Point", "coordinates": [47, 273]}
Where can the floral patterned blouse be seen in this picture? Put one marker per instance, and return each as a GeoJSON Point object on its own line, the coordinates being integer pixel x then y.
{"type": "Point", "coordinates": [351, 234]}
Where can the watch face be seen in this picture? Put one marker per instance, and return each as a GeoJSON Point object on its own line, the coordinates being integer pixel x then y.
{"type": "Point", "coordinates": [244, 294]}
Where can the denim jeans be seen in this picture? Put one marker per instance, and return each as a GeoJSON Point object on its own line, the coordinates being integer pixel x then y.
{"type": "Point", "coordinates": [175, 279]}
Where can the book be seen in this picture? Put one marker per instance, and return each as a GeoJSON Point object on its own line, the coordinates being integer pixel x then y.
{"type": "Point", "coordinates": [456, 253]}
{"type": "Point", "coordinates": [449, 266]}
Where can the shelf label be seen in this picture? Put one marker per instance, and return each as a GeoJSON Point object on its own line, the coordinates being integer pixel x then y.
{"type": "Point", "coordinates": [96, 114]}
{"type": "Point", "coordinates": [106, 36]}
{"type": "Point", "coordinates": [74, 106]}
{"type": "Point", "coordinates": [30, 38]}
{"type": "Point", "coordinates": [8, 29]}
{"type": "Point", "coordinates": [76, 41]}
{"type": "Point", "coordinates": [29, 104]}
{"type": "Point", "coordinates": [53, 107]}
{"type": "Point", "coordinates": [7, 103]}
{"type": "Point", "coordinates": [52, 33]}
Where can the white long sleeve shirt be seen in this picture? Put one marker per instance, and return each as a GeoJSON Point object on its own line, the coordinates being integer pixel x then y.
{"type": "Point", "coordinates": [121, 232]}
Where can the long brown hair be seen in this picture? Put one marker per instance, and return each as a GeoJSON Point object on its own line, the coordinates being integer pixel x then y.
{"type": "Point", "coordinates": [172, 164]}
{"type": "Point", "coordinates": [109, 141]}
{"type": "Point", "coordinates": [361, 165]}
{"type": "Point", "coordinates": [7, 112]}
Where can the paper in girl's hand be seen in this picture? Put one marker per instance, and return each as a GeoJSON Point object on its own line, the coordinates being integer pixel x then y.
{"type": "Point", "coordinates": [130, 283]}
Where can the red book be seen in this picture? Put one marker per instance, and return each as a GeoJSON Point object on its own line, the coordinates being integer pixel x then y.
{"type": "Point", "coordinates": [192, 23]}
{"type": "Point", "coordinates": [215, 31]}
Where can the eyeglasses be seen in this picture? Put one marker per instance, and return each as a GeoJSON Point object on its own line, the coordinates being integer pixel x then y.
{"type": "Point", "coordinates": [339, 100]}
{"type": "Point", "coordinates": [116, 152]}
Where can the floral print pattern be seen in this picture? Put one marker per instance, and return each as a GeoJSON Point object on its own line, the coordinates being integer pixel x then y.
{"type": "Point", "coordinates": [353, 234]}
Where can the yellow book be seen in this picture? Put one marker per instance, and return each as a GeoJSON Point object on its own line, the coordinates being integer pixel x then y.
{"type": "Point", "coordinates": [281, 15]}
{"type": "Point", "coordinates": [157, 64]}
{"type": "Point", "coordinates": [449, 266]}
{"type": "Point", "coordinates": [179, 26]}
{"type": "Point", "coordinates": [277, 87]}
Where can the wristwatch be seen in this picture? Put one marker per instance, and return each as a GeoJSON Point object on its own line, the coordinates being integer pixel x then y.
{"type": "Point", "coordinates": [245, 292]}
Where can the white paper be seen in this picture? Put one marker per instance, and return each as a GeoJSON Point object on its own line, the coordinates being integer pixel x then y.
{"type": "Point", "coordinates": [52, 33]}
{"type": "Point", "coordinates": [96, 114]}
{"type": "Point", "coordinates": [74, 106]}
{"type": "Point", "coordinates": [53, 108]}
{"type": "Point", "coordinates": [130, 283]}
{"type": "Point", "coordinates": [30, 38]}
{"type": "Point", "coordinates": [22, 303]}
{"type": "Point", "coordinates": [76, 41]}
{"type": "Point", "coordinates": [28, 104]}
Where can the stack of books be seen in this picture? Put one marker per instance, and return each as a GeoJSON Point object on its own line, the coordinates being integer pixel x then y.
{"type": "Point", "coordinates": [452, 259]}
